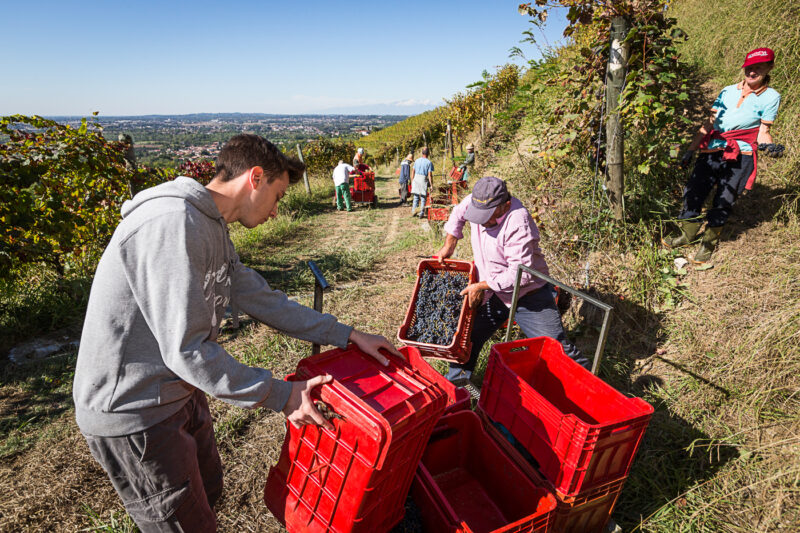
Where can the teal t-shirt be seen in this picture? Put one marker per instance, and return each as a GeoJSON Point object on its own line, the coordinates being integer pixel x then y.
{"type": "Point", "coordinates": [754, 109]}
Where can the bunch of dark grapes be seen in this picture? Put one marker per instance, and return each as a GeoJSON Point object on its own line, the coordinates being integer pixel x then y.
{"type": "Point", "coordinates": [438, 307]}
{"type": "Point", "coordinates": [772, 150]}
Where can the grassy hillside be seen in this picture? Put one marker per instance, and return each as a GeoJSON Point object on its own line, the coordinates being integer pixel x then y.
{"type": "Point", "coordinates": [717, 352]}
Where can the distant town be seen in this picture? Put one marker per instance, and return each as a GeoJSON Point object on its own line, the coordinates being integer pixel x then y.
{"type": "Point", "coordinates": [168, 140]}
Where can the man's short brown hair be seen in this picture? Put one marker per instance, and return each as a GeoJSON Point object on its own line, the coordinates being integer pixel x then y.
{"type": "Point", "coordinates": [245, 151]}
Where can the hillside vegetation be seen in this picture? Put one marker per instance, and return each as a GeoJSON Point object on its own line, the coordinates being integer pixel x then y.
{"type": "Point", "coordinates": [717, 352]}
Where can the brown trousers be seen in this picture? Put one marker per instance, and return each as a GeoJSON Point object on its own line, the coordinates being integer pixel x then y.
{"type": "Point", "coordinates": [168, 476]}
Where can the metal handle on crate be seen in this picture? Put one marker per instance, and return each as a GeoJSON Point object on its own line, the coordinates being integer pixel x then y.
{"type": "Point", "coordinates": [601, 342]}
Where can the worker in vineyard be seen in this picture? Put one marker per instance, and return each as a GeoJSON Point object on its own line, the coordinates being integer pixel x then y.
{"type": "Point", "coordinates": [341, 180]}
{"type": "Point", "coordinates": [421, 179]}
{"type": "Point", "coordinates": [728, 142]}
{"type": "Point", "coordinates": [503, 235]}
{"type": "Point", "coordinates": [358, 159]}
{"type": "Point", "coordinates": [149, 353]}
{"type": "Point", "coordinates": [405, 178]}
{"type": "Point", "coordinates": [469, 161]}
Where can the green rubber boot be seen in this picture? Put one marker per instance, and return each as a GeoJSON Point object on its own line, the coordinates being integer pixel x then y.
{"type": "Point", "coordinates": [689, 231]}
{"type": "Point", "coordinates": [707, 245]}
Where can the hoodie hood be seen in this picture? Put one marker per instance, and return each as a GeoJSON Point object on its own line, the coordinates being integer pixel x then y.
{"type": "Point", "coordinates": [181, 187]}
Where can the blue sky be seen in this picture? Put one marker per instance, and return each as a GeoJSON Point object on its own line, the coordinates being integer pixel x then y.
{"type": "Point", "coordinates": [169, 57]}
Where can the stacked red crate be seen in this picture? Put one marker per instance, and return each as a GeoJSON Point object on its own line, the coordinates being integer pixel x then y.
{"type": "Point", "coordinates": [466, 483]}
{"type": "Point", "coordinates": [579, 435]}
{"type": "Point", "coordinates": [356, 477]}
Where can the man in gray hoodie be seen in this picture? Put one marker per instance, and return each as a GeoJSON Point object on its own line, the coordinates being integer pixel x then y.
{"type": "Point", "coordinates": [148, 352]}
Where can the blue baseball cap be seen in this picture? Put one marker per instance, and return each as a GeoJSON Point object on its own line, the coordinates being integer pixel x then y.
{"type": "Point", "coordinates": [487, 194]}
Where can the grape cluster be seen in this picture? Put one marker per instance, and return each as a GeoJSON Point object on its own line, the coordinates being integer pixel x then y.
{"type": "Point", "coordinates": [772, 150]}
{"type": "Point", "coordinates": [438, 306]}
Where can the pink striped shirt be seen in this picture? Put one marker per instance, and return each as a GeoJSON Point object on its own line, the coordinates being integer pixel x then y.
{"type": "Point", "coordinates": [497, 251]}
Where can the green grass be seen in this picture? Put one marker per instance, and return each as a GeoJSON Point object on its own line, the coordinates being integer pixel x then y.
{"type": "Point", "coordinates": [36, 398]}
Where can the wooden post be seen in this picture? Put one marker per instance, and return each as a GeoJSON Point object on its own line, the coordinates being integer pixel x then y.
{"type": "Point", "coordinates": [482, 119]}
{"type": "Point", "coordinates": [305, 172]}
{"type": "Point", "coordinates": [450, 141]}
{"type": "Point", "coordinates": [425, 139]}
{"type": "Point", "coordinates": [396, 156]}
{"type": "Point", "coordinates": [615, 75]}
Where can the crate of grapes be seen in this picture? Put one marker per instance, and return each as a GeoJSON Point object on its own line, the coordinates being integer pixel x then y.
{"type": "Point", "coordinates": [439, 320]}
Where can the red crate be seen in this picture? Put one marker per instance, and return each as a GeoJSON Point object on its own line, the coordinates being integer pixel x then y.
{"type": "Point", "coordinates": [363, 183]}
{"type": "Point", "coordinates": [582, 432]}
{"type": "Point", "coordinates": [587, 513]}
{"type": "Point", "coordinates": [438, 213]}
{"type": "Point", "coordinates": [458, 398]}
{"type": "Point", "coordinates": [456, 174]}
{"type": "Point", "coordinates": [362, 196]}
{"type": "Point", "coordinates": [459, 349]}
{"type": "Point", "coordinates": [466, 483]}
{"type": "Point", "coordinates": [356, 477]}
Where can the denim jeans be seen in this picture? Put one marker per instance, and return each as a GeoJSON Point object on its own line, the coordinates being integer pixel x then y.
{"type": "Point", "coordinates": [729, 177]}
{"type": "Point", "coordinates": [419, 199]}
{"type": "Point", "coordinates": [537, 316]}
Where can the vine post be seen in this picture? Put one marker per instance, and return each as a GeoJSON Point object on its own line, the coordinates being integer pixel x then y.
{"type": "Point", "coordinates": [305, 172]}
{"type": "Point", "coordinates": [616, 71]}
{"type": "Point", "coordinates": [450, 140]}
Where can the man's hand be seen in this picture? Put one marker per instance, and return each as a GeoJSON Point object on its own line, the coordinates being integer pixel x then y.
{"type": "Point", "coordinates": [448, 248]}
{"type": "Point", "coordinates": [300, 409]}
{"type": "Point", "coordinates": [686, 160]}
{"type": "Point", "coordinates": [371, 344]}
{"type": "Point", "coordinates": [475, 293]}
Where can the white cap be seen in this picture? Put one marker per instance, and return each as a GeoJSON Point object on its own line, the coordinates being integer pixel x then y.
{"type": "Point", "coordinates": [360, 150]}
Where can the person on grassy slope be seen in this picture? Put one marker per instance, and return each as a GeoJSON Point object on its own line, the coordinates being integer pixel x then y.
{"type": "Point", "coordinates": [405, 177]}
{"type": "Point", "coordinates": [503, 235]}
{"type": "Point", "coordinates": [469, 161]}
{"type": "Point", "coordinates": [421, 179]}
{"type": "Point", "coordinates": [341, 177]}
{"type": "Point", "coordinates": [728, 143]}
{"type": "Point", "coordinates": [148, 353]}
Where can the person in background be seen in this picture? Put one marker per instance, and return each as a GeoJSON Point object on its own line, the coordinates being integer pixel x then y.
{"type": "Point", "coordinates": [405, 177]}
{"type": "Point", "coordinates": [421, 179]}
{"type": "Point", "coordinates": [468, 162]}
{"type": "Point", "coordinates": [149, 353]}
{"type": "Point", "coordinates": [503, 235]}
{"type": "Point", "coordinates": [341, 180]}
{"type": "Point", "coordinates": [738, 126]}
{"type": "Point", "coordinates": [358, 159]}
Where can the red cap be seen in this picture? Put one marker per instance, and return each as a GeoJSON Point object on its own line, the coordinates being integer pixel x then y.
{"type": "Point", "coordinates": [759, 55]}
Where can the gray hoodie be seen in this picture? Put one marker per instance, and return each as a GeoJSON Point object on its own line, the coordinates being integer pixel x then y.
{"type": "Point", "coordinates": [157, 300]}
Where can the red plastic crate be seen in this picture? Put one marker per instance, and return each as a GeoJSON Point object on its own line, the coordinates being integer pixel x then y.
{"type": "Point", "coordinates": [362, 196]}
{"type": "Point", "coordinates": [458, 398]}
{"type": "Point", "coordinates": [438, 213]}
{"type": "Point", "coordinates": [456, 174]}
{"type": "Point", "coordinates": [356, 477]}
{"type": "Point", "coordinates": [587, 513]}
{"type": "Point", "coordinates": [582, 432]}
{"type": "Point", "coordinates": [459, 349]}
{"type": "Point", "coordinates": [466, 483]}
